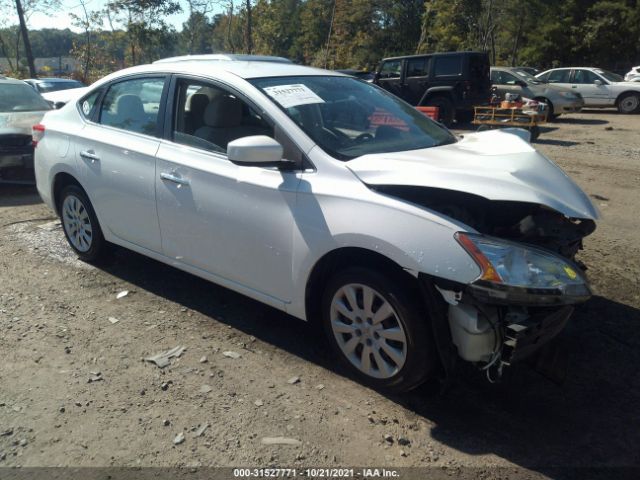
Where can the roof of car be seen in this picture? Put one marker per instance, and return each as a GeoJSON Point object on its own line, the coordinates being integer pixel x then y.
{"type": "Point", "coordinates": [242, 69]}
{"type": "Point", "coordinates": [435, 54]}
{"type": "Point", "coordinates": [51, 79]}
{"type": "Point", "coordinates": [238, 57]}
{"type": "Point", "coordinates": [11, 80]}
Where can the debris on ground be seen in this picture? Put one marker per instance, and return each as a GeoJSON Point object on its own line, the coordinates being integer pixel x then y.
{"type": "Point", "coordinates": [51, 226]}
{"type": "Point", "coordinates": [293, 380]}
{"type": "Point", "coordinates": [280, 441]}
{"type": "Point", "coordinates": [388, 438]}
{"type": "Point", "coordinates": [258, 403]}
{"type": "Point", "coordinates": [320, 386]}
{"type": "Point", "coordinates": [113, 320]}
{"type": "Point", "coordinates": [163, 359]}
{"type": "Point", "coordinates": [203, 359]}
{"type": "Point", "coordinates": [404, 441]}
{"type": "Point", "coordinates": [95, 377]}
{"type": "Point", "coordinates": [122, 294]}
{"type": "Point", "coordinates": [205, 389]}
{"type": "Point", "coordinates": [179, 439]}
{"type": "Point", "coordinates": [200, 431]}
{"type": "Point", "coordinates": [231, 354]}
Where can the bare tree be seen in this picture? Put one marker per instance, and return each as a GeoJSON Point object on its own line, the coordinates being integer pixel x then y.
{"type": "Point", "coordinates": [25, 39]}
{"type": "Point", "coordinates": [248, 39]}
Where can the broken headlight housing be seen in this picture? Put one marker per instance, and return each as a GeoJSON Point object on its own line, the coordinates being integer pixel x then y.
{"type": "Point", "coordinates": [521, 274]}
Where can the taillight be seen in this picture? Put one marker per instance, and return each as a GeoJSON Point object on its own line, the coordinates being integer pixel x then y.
{"type": "Point", "coordinates": [37, 132]}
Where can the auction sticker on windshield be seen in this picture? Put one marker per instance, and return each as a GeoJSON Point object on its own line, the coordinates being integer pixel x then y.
{"type": "Point", "coordinates": [293, 95]}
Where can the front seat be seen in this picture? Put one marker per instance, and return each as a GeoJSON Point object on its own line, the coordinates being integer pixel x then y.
{"type": "Point", "coordinates": [197, 104]}
{"type": "Point", "coordinates": [223, 122]}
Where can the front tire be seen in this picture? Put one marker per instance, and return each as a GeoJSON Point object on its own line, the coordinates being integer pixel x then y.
{"type": "Point", "coordinates": [80, 225]}
{"type": "Point", "coordinates": [378, 327]}
{"type": "Point", "coordinates": [629, 103]}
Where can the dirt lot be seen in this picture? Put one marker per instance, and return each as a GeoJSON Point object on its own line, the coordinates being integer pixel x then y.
{"type": "Point", "coordinates": [56, 330]}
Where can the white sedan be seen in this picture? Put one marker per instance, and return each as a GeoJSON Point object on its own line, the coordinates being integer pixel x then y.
{"type": "Point", "coordinates": [410, 246]}
{"type": "Point", "coordinates": [598, 87]}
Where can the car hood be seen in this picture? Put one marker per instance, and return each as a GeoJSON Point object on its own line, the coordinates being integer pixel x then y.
{"type": "Point", "coordinates": [496, 165]}
{"type": "Point", "coordinates": [19, 122]}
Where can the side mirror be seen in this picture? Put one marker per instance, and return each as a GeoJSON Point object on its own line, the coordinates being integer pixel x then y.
{"type": "Point", "coordinates": [597, 82]}
{"type": "Point", "coordinates": [255, 151]}
{"type": "Point", "coordinates": [58, 105]}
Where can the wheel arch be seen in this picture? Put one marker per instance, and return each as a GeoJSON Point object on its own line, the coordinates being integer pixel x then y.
{"type": "Point", "coordinates": [342, 258]}
{"type": "Point", "coordinates": [626, 92]}
{"type": "Point", "coordinates": [61, 180]}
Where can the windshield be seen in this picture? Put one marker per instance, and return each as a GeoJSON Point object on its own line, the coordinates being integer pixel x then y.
{"type": "Point", "coordinates": [349, 118]}
{"type": "Point", "coordinates": [527, 77]}
{"type": "Point", "coordinates": [612, 77]}
{"type": "Point", "coordinates": [16, 97]}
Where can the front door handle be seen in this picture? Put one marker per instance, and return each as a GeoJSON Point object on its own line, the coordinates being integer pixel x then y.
{"type": "Point", "coordinates": [90, 155]}
{"type": "Point", "coordinates": [172, 178]}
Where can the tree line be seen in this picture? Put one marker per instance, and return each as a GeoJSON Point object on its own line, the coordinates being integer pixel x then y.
{"type": "Point", "coordinates": [338, 33]}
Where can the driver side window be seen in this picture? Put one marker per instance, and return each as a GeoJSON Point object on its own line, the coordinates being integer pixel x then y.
{"type": "Point", "coordinates": [209, 117]}
{"type": "Point", "coordinates": [584, 77]}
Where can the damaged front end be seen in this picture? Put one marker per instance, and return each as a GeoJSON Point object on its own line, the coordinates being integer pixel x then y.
{"type": "Point", "coordinates": [529, 281]}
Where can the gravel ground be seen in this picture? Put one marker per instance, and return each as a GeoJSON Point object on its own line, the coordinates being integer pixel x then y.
{"type": "Point", "coordinates": [75, 391]}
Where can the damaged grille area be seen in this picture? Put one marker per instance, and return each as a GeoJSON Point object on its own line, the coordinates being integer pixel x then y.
{"type": "Point", "coordinates": [517, 221]}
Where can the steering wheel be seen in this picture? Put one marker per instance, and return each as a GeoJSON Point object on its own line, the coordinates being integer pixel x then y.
{"type": "Point", "coordinates": [363, 137]}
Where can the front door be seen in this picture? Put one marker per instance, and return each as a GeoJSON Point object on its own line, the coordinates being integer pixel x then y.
{"type": "Point", "coordinates": [234, 222]}
{"type": "Point", "coordinates": [594, 94]}
{"type": "Point", "coordinates": [117, 157]}
{"type": "Point", "coordinates": [390, 77]}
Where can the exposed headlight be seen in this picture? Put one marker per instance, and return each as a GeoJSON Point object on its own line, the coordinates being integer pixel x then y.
{"type": "Point", "coordinates": [516, 273]}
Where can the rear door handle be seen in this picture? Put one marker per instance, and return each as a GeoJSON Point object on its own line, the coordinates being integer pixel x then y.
{"type": "Point", "coordinates": [90, 155]}
{"type": "Point", "coordinates": [172, 178]}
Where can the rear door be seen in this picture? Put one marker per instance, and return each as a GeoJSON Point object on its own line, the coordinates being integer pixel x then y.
{"type": "Point", "coordinates": [416, 79]}
{"type": "Point", "coordinates": [117, 151]}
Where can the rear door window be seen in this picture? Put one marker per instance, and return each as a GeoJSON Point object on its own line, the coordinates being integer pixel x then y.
{"type": "Point", "coordinates": [448, 66]}
{"type": "Point", "coordinates": [417, 67]}
{"type": "Point", "coordinates": [584, 77]}
{"type": "Point", "coordinates": [559, 76]}
{"type": "Point", "coordinates": [133, 105]}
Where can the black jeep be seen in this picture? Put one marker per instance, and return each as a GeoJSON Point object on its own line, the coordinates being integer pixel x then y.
{"type": "Point", "coordinates": [454, 82]}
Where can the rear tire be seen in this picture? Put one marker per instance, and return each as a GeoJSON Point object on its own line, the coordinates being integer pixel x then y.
{"type": "Point", "coordinates": [464, 116]}
{"type": "Point", "coordinates": [80, 225]}
{"type": "Point", "coordinates": [551, 115]}
{"type": "Point", "coordinates": [446, 110]}
{"type": "Point", "coordinates": [378, 327]}
{"type": "Point", "coordinates": [628, 103]}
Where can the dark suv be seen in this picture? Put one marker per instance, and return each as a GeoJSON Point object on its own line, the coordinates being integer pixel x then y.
{"type": "Point", "coordinates": [454, 82]}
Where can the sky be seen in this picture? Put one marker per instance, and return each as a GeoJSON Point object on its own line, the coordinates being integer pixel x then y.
{"type": "Point", "coordinates": [61, 19]}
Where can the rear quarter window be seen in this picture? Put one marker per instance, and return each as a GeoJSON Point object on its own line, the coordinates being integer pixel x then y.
{"type": "Point", "coordinates": [448, 66]}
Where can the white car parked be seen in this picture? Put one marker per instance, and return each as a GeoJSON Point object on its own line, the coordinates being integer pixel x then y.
{"type": "Point", "coordinates": [411, 246]}
{"type": "Point", "coordinates": [633, 75]}
{"type": "Point", "coordinates": [599, 88]}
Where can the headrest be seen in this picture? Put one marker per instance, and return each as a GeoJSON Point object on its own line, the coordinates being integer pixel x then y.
{"type": "Point", "coordinates": [197, 103]}
{"type": "Point", "coordinates": [223, 111]}
{"type": "Point", "coordinates": [129, 106]}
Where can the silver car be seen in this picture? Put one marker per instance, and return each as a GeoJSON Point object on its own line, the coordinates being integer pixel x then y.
{"type": "Point", "coordinates": [21, 107]}
{"type": "Point", "coordinates": [514, 80]}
